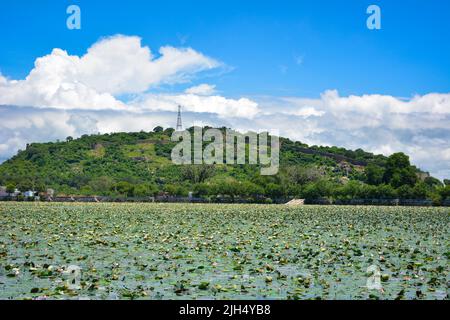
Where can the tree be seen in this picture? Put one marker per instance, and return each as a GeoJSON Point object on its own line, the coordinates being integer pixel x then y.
{"type": "Point", "coordinates": [325, 188]}
{"type": "Point", "coordinates": [385, 191]}
{"type": "Point", "coordinates": [152, 189]}
{"type": "Point", "coordinates": [10, 188]}
{"type": "Point", "coordinates": [321, 189]}
{"type": "Point", "coordinates": [273, 190]}
{"type": "Point", "coordinates": [350, 190]}
{"type": "Point", "coordinates": [25, 185]}
{"type": "Point", "coordinates": [124, 188]}
{"type": "Point", "coordinates": [292, 190]}
{"type": "Point", "coordinates": [175, 190]}
{"type": "Point", "coordinates": [141, 190]}
{"type": "Point", "coordinates": [250, 189]}
{"type": "Point", "coordinates": [169, 131]}
{"type": "Point", "coordinates": [69, 139]}
{"type": "Point", "coordinates": [227, 187]}
{"type": "Point", "coordinates": [86, 190]}
{"type": "Point", "coordinates": [399, 171]}
{"type": "Point", "coordinates": [158, 129]}
{"type": "Point", "coordinates": [40, 187]}
{"type": "Point", "coordinates": [145, 190]}
{"type": "Point", "coordinates": [432, 182]}
{"type": "Point", "coordinates": [79, 180]}
{"type": "Point", "coordinates": [447, 182]}
{"type": "Point", "coordinates": [445, 192]}
{"type": "Point", "coordinates": [374, 174]}
{"type": "Point", "coordinates": [420, 191]}
{"type": "Point", "coordinates": [197, 173]}
{"type": "Point", "coordinates": [405, 192]}
{"type": "Point", "coordinates": [368, 192]}
{"type": "Point", "coordinates": [301, 175]}
{"type": "Point", "coordinates": [202, 189]}
{"type": "Point", "coordinates": [310, 192]}
{"type": "Point", "coordinates": [101, 184]}
{"type": "Point", "coordinates": [404, 176]}
{"type": "Point", "coordinates": [397, 161]}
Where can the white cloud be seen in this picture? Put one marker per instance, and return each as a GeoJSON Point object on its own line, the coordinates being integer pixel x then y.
{"type": "Point", "coordinates": [111, 67]}
{"type": "Point", "coordinates": [307, 112]}
{"type": "Point", "coordinates": [202, 90]}
{"type": "Point", "coordinates": [379, 105]}
{"type": "Point", "coordinates": [115, 66]}
{"type": "Point", "coordinates": [121, 65]}
{"type": "Point", "coordinates": [3, 80]}
{"type": "Point", "coordinates": [53, 82]}
{"type": "Point", "coordinates": [223, 107]}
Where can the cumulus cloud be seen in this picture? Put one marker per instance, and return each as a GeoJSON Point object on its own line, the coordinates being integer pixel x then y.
{"type": "Point", "coordinates": [116, 66]}
{"type": "Point", "coordinates": [54, 82]}
{"type": "Point", "coordinates": [121, 65]}
{"type": "Point", "coordinates": [111, 67]}
{"type": "Point", "coordinates": [307, 112]}
{"type": "Point", "coordinates": [223, 107]}
{"type": "Point", "coordinates": [202, 90]}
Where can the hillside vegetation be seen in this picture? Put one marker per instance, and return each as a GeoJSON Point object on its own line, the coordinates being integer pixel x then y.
{"type": "Point", "coordinates": [138, 164]}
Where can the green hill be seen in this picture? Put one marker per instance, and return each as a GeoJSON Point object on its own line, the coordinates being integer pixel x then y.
{"type": "Point", "coordinates": [139, 164]}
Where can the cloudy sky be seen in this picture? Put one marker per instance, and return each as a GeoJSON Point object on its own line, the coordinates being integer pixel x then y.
{"type": "Point", "coordinates": [313, 72]}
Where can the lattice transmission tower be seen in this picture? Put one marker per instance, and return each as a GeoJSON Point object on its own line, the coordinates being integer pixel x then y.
{"type": "Point", "coordinates": [179, 122]}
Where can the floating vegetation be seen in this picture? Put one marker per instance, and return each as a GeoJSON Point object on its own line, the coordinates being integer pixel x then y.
{"type": "Point", "coordinates": [185, 251]}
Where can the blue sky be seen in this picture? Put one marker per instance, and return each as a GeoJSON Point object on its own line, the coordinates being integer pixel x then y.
{"type": "Point", "coordinates": [310, 69]}
{"type": "Point", "coordinates": [260, 40]}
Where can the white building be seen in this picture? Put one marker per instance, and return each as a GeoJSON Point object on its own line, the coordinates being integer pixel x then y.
{"type": "Point", "coordinates": [3, 192]}
{"type": "Point", "coordinates": [29, 194]}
